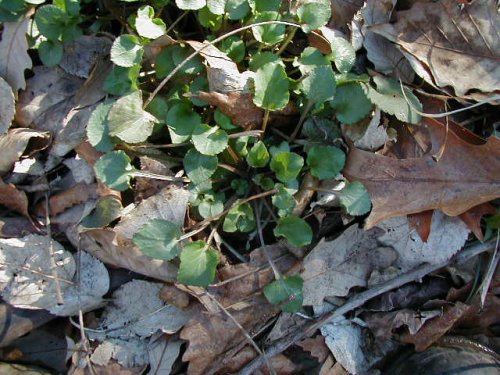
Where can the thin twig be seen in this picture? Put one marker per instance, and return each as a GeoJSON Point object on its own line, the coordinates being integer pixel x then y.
{"type": "Point", "coordinates": [257, 211]}
{"type": "Point", "coordinates": [53, 264]}
{"type": "Point", "coordinates": [485, 285]}
{"type": "Point", "coordinates": [360, 299]}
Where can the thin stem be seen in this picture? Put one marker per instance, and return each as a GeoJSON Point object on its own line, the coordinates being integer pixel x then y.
{"type": "Point", "coordinates": [176, 21]}
{"type": "Point", "coordinates": [264, 121]}
{"type": "Point", "coordinates": [232, 169]}
{"type": "Point", "coordinates": [287, 41]}
{"type": "Point", "coordinates": [307, 108]}
{"type": "Point", "coordinates": [215, 41]}
{"type": "Point", "coordinates": [137, 173]}
{"type": "Point", "coordinates": [257, 211]}
{"type": "Point", "coordinates": [52, 256]}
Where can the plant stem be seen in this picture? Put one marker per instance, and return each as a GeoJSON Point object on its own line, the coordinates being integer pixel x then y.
{"type": "Point", "coordinates": [303, 116]}
{"type": "Point", "coordinates": [287, 41]}
{"type": "Point", "coordinates": [264, 121]}
{"type": "Point", "coordinates": [215, 41]}
{"type": "Point", "coordinates": [137, 173]}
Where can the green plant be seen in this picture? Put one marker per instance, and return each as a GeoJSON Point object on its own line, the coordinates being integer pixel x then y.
{"type": "Point", "coordinates": [154, 99]}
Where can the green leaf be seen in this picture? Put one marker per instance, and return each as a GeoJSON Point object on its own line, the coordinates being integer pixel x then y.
{"type": "Point", "coordinates": [349, 77]}
{"type": "Point", "coordinates": [51, 21]}
{"type": "Point", "coordinates": [319, 84]}
{"type": "Point", "coordinates": [122, 81]}
{"type": "Point", "coordinates": [200, 83]}
{"type": "Point", "coordinates": [343, 54]}
{"type": "Point", "coordinates": [190, 4]}
{"type": "Point", "coordinates": [199, 167]}
{"type": "Point", "coordinates": [198, 265]}
{"type": "Point", "coordinates": [313, 14]}
{"type": "Point", "coordinates": [269, 34]}
{"type": "Point", "coordinates": [355, 199]}
{"type": "Point", "coordinates": [98, 128]}
{"type": "Point", "coordinates": [258, 156]}
{"type": "Point", "coordinates": [263, 181]}
{"type": "Point", "coordinates": [493, 222]}
{"type": "Point", "coordinates": [286, 165]}
{"type": "Point", "coordinates": [182, 120]}
{"type": "Point", "coordinates": [311, 57]}
{"type": "Point", "coordinates": [389, 98]}
{"type": "Point", "coordinates": [321, 130]}
{"type": "Point", "coordinates": [237, 9]}
{"type": "Point", "coordinates": [71, 7]}
{"type": "Point", "coordinates": [209, 140]}
{"type": "Point", "coordinates": [283, 146]}
{"type": "Point", "coordinates": [128, 121]}
{"type": "Point", "coordinates": [351, 103]}
{"type": "Point", "coordinates": [296, 231]}
{"type": "Point", "coordinates": [240, 186]}
{"type": "Point", "coordinates": [234, 47]}
{"type": "Point", "coordinates": [108, 209]}
{"type": "Point", "coordinates": [126, 51]}
{"type": "Point", "coordinates": [50, 52]}
{"type": "Point", "coordinates": [211, 205]}
{"type": "Point", "coordinates": [209, 20]}
{"type": "Point", "coordinates": [271, 87]}
{"type": "Point", "coordinates": [114, 170]}
{"type": "Point", "coordinates": [287, 290]}
{"type": "Point", "coordinates": [146, 25]}
{"type": "Point", "coordinates": [217, 7]}
{"type": "Point", "coordinates": [173, 56]}
{"type": "Point", "coordinates": [239, 218]}
{"type": "Point", "coordinates": [223, 120]}
{"type": "Point", "coordinates": [259, 6]}
{"type": "Point", "coordinates": [158, 108]}
{"type": "Point", "coordinates": [158, 239]}
{"type": "Point", "coordinates": [283, 201]}
{"type": "Point", "coordinates": [325, 161]}
{"type": "Point", "coordinates": [262, 58]}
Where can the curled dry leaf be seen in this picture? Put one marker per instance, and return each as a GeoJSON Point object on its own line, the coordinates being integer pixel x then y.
{"type": "Point", "coordinates": [464, 176]}
{"type": "Point", "coordinates": [63, 200]}
{"type": "Point", "coordinates": [460, 48]}
{"type": "Point", "coordinates": [14, 58]}
{"type": "Point", "coordinates": [14, 199]}
{"type": "Point", "coordinates": [16, 141]}
{"type": "Point", "coordinates": [316, 346]}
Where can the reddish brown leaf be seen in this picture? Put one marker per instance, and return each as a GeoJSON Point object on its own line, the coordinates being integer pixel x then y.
{"type": "Point", "coordinates": [66, 199]}
{"type": "Point", "coordinates": [16, 227]}
{"type": "Point", "coordinates": [464, 176]}
{"type": "Point", "coordinates": [421, 222]}
{"type": "Point", "coordinates": [434, 329]}
{"type": "Point", "coordinates": [14, 199]}
{"type": "Point", "coordinates": [316, 346]}
{"type": "Point", "coordinates": [472, 218]}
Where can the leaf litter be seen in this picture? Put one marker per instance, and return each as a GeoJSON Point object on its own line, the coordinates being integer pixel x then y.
{"type": "Point", "coordinates": [430, 184]}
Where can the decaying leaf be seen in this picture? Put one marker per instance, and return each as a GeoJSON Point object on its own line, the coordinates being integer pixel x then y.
{"type": "Point", "coordinates": [26, 277]}
{"type": "Point", "coordinates": [14, 199]}
{"type": "Point", "coordinates": [332, 268]}
{"type": "Point", "coordinates": [82, 54]}
{"type": "Point", "coordinates": [61, 201]}
{"type": "Point", "coordinates": [316, 346]}
{"type": "Point", "coordinates": [460, 48]}
{"type": "Point", "coordinates": [464, 176]}
{"type": "Point", "coordinates": [14, 58]}
{"type": "Point", "coordinates": [472, 218]}
{"type": "Point", "coordinates": [162, 354]}
{"type": "Point", "coordinates": [7, 106]}
{"type": "Point", "coordinates": [14, 143]}
{"type": "Point", "coordinates": [128, 353]}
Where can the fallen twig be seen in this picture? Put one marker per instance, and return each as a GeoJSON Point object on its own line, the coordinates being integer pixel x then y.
{"type": "Point", "coordinates": [360, 299]}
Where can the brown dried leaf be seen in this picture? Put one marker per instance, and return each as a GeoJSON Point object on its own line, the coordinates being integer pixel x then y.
{"type": "Point", "coordinates": [459, 48]}
{"type": "Point", "coordinates": [316, 346]}
{"type": "Point", "coordinates": [16, 141]}
{"type": "Point", "coordinates": [421, 222]}
{"type": "Point", "coordinates": [464, 176]}
{"type": "Point", "coordinates": [342, 13]}
{"type": "Point", "coordinates": [14, 58]}
{"type": "Point", "coordinates": [63, 200]}
{"type": "Point", "coordinates": [472, 218]}
{"type": "Point", "coordinates": [14, 199]}
{"type": "Point", "coordinates": [434, 329]}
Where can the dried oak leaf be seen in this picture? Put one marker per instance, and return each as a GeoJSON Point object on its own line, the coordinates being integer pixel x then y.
{"type": "Point", "coordinates": [63, 200]}
{"type": "Point", "coordinates": [449, 46]}
{"type": "Point", "coordinates": [14, 199]}
{"type": "Point", "coordinates": [316, 346]}
{"type": "Point", "coordinates": [464, 176]}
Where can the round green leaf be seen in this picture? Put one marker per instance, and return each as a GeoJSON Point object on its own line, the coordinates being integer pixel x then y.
{"type": "Point", "coordinates": [209, 140]}
{"type": "Point", "coordinates": [51, 21]}
{"type": "Point", "coordinates": [190, 4]}
{"type": "Point", "coordinates": [234, 47]}
{"type": "Point", "coordinates": [271, 87]}
{"type": "Point", "coordinates": [158, 239]}
{"type": "Point", "coordinates": [217, 7]}
{"type": "Point", "coordinates": [269, 34]}
{"type": "Point", "coordinates": [50, 52]}
{"type": "Point", "coordinates": [296, 231]}
{"type": "Point", "coordinates": [146, 25]}
{"type": "Point", "coordinates": [343, 54]}
{"type": "Point", "coordinates": [108, 209]}
{"type": "Point", "coordinates": [389, 98]}
{"type": "Point", "coordinates": [239, 218]}
{"type": "Point", "coordinates": [287, 290]}
{"type": "Point", "coordinates": [319, 84]}
{"type": "Point", "coordinates": [211, 205]}
{"type": "Point", "coordinates": [199, 167]}
{"type": "Point", "coordinates": [283, 201]}
{"type": "Point", "coordinates": [355, 198]}
{"type": "Point", "coordinates": [114, 170]}
{"type": "Point", "coordinates": [311, 57]}
{"type": "Point", "coordinates": [325, 161]}
{"type": "Point", "coordinates": [258, 156]}
{"type": "Point", "coordinates": [237, 9]}
{"type": "Point", "coordinates": [259, 6]}
{"type": "Point", "coordinates": [158, 107]}
{"type": "Point", "coordinates": [313, 14]}
{"type": "Point", "coordinates": [351, 103]}
{"type": "Point", "coordinates": [209, 20]}
{"type": "Point", "coordinates": [286, 165]}
{"type": "Point", "coordinates": [182, 120]}
{"type": "Point", "coordinates": [198, 265]}
{"type": "Point", "coordinates": [122, 81]}
{"type": "Point", "coordinates": [126, 51]}
{"type": "Point", "coordinates": [98, 128]}
{"type": "Point", "coordinates": [262, 58]}
{"type": "Point", "coordinates": [128, 121]}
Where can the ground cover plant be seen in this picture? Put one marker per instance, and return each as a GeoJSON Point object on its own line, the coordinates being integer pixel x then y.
{"type": "Point", "coordinates": [233, 150]}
